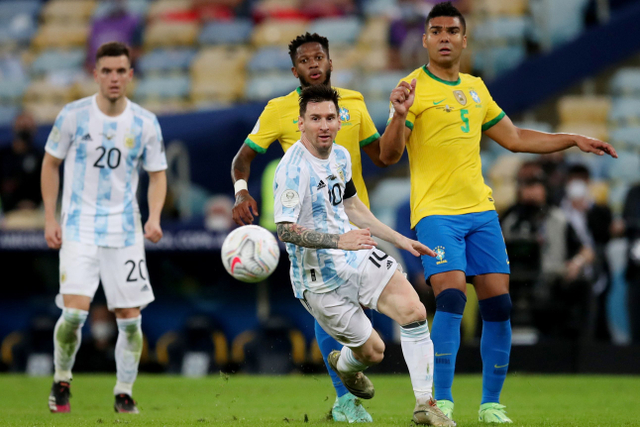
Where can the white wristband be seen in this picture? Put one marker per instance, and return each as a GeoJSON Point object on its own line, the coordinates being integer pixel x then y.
{"type": "Point", "coordinates": [240, 185]}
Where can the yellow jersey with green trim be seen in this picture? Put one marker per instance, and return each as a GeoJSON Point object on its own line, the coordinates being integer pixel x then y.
{"type": "Point", "coordinates": [279, 121]}
{"type": "Point", "coordinates": [447, 120]}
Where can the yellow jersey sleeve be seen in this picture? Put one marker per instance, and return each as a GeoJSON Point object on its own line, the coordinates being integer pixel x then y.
{"type": "Point", "coordinates": [267, 129]}
{"type": "Point", "coordinates": [368, 131]}
{"type": "Point", "coordinates": [494, 113]}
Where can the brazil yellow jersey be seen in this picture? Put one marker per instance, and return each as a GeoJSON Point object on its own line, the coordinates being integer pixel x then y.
{"type": "Point", "coordinates": [447, 120]}
{"type": "Point", "coordinates": [279, 121]}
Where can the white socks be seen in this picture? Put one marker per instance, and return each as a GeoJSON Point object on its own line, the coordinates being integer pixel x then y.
{"type": "Point", "coordinates": [417, 349]}
{"type": "Point", "coordinates": [67, 337]}
{"type": "Point", "coordinates": [348, 362]}
{"type": "Point", "coordinates": [128, 351]}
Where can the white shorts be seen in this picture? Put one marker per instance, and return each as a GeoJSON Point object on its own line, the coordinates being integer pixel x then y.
{"type": "Point", "coordinates": [340, 312]}
{"type": "Point", "coordinates": [122, 271]}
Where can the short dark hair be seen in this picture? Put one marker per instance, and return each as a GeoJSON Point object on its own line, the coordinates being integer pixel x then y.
{"type": "Point", "coordinates": [113, 49]}
{"type": "Point", "coordinates": [306, 38]}
{"type": "Point", "coordinates": [579, 170]}
{"type": "Point", "coordinates": [317, 93]}
{"type": "Point", "coordinates": [445, 8]}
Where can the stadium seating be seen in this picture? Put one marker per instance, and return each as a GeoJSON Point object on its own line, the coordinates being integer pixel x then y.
{"type": "Point", "coordinates": [627, 138]}
{"type": "Point", "coordinates": [168, 9]}
{"type": "Point", "coordinates": [237, 31]}
{"type": "Point", "coordinates": [340, 30]}
{"type": "Point", "coordinates": [277, 33]}
{"type": "Point", "coordinates": [625, 112]}
{"type": "Point", "coordinates": [170, 34]}
{"type": "Point", "coordinates": [67, 11]}
{"type": "Point", "coordinates": [269, 59]}
{"type": "Point", "coordinates": [588, 109]}
{"type": "Point", "coordinates": [57, 60]}
{"type": "Point", "coordinates": [162, 87]}
{"type": "Point", "coordinates": [57, 35]}
{"type": "Point", "coordinates": [135, 7]}
{"type": "Point", "coordinates": [164, 60]}
{"type": "Point", "coordinates": [626, 83]}
{"type": "Point", "coordinates": [269, 86]}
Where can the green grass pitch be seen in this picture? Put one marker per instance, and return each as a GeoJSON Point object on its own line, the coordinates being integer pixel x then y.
{"type": "Point", "coordinates": [532, 400]}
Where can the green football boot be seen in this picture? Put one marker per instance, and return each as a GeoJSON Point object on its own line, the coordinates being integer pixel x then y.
{"type": "Point", "coordinates": [493, 413]}
{"type": "Point", "coordinates": [348, 408]}
{"type": "Point", "coordinates": [446, 406]}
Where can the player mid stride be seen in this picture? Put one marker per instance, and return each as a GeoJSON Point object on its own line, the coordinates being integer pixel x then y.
{"type": "Point", "coordinates": [336, 269]}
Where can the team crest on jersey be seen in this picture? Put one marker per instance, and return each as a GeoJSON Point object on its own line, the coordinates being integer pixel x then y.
{"type": "Point", "coordinates": [55, 134]}
{"type": "Point", "coordinates": [290, 199]}
{"type": "Point", "coordinates": [439, 250]}
{"type": "Point", "coordinates": [475, 96]}
{"type": "Point", "coordinates": [63, 276]}
{"type": "Point", "coordinates": [345, 116]}
{"type": "Point", "coordinates": [341, 173]}
{"type": "Point", "coordinates": [129, 140]}
{"type": "Point", "coordinates": [460, 97]}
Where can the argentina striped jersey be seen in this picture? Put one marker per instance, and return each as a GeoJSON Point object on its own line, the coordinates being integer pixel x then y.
{"type": "Point", "coordinates": [102, 155]}
{"type": "Point", "coordinates": [309, 191]}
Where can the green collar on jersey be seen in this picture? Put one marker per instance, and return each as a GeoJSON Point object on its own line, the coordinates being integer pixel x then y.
{"type": "Point", "coordinates": [299, 90]}
{"type": "Point", "coordinates": [434, 77]}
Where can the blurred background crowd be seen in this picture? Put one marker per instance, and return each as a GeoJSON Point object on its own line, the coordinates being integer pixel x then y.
{"type": "Point", "coordinates": [207, 67]}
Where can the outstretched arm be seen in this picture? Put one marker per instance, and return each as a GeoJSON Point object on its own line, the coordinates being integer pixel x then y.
{"type": "Point", "coordinates": [395, 136]}
{"type": "Point", "coordinates": [519, 140]}
{"type": "Point", "coordinates": [245, 206]}
{"type": "Point", "coordinates": [361, 216]}
{"type": "Point", "coordinates": [353, 240]}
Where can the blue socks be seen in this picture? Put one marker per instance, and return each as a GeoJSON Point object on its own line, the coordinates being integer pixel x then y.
{"type": "Point", "coordinates": [495, 345]}
{"type": "Point", "coordinates": [445, 334]}
{"type": "Point", "coordinates": [327, 344]}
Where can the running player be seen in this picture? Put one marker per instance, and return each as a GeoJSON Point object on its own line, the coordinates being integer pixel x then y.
{"type": "Point", "coordinates": [335, 267]}
{"type": "Point", "coordinates": [103, 139]}
{"type": "Point", "coordinates": [440, 119]}
{"type": "Point", "coordinates": [279, 121]}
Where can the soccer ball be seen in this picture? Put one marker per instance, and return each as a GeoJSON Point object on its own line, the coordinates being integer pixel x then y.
{"type": "Point", "coordinates": [250, 253]}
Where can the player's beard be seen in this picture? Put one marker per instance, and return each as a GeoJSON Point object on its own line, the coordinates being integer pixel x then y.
{"type": "Point", "coordinates": [326, 81]}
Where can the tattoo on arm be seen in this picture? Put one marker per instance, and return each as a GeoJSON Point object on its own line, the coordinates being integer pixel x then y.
{"type": "Point", "coordinates": [293, 233]}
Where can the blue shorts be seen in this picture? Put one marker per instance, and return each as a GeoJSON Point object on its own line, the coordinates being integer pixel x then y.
{"type": "Point", "coordinates": [471, 243]}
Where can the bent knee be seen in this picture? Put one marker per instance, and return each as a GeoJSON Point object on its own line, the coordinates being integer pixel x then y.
{"type": "Point", "coordinates": [413, 312]}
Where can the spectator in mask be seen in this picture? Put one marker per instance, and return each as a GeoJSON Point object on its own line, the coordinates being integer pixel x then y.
{"type": "Point", "coordinates": [20, 167]}
{"type": "Point", "coordinates": [592, 224]}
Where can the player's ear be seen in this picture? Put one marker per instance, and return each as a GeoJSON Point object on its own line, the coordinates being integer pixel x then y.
{"type": "Point", "coordinates": [95, 73]}
{"type": "Point", "coordinates": [330, 65]}
{"type": "Point", "coordinates": [424, 40]}
{"type": "Point", "coordinates": [464, 42]}
{"type": "Point", "coordinates": [301, 124]}
{"type": "Point", "coordinates": [294, 72]}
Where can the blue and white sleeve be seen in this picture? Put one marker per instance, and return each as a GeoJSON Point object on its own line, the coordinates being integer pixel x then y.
{"type": "Point", "coordinates": [154, 158]}
{"type": "Point", "coordinates": [61, 135]}
{"type": "Point", "coordinates": [289, 190]}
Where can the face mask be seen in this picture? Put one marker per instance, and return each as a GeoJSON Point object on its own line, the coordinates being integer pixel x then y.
{"type": "Point", "coordinates": [101, 331]}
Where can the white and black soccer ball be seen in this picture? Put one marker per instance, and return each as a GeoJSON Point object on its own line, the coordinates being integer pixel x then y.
{"type": "Point", "coordinates": [250, 253]}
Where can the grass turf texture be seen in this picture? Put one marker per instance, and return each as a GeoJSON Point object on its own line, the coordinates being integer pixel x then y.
{"type": "Point", "coordinates": [531, 400]}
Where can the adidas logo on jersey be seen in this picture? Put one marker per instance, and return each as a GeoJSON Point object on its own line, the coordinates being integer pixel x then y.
{"type": "Point", "coordinates": [389, 264]}
{"type": "Point", "coordinates": [321, 185]}
{"type": "Point", "coordinates": [87, 137]}
{"type": "Point", "coordinates": [145, 288]}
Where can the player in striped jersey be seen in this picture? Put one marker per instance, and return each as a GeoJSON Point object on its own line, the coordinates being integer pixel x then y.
{"type": "Point", "coordinates": [278, 122]}
{"type": "Point", "coordinates": [335, 267]}
{"type": "Point", "coordinates": [102, 140]}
